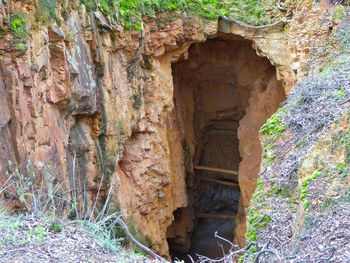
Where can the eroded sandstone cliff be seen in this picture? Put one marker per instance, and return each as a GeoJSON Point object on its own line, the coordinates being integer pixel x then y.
{"type": "Point", "coordinates": [108, 114]}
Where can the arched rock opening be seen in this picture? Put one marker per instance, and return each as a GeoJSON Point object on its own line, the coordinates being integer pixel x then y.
{"type": "Point", "coordinates": [223, 93]}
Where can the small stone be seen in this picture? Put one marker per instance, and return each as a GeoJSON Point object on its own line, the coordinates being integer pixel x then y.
{"type": "Point", "coordinates": [35, 67]}
{"type": "Point", "coordinates": [55, 34]}
{"type": "Point", "coordinates": [101, 20]}
{"type": "Point", "coordinates": [161, 195]}
{"type": "Point", "coordinates": [331, 193]}
{"type": "Point", "coordinates": [165, 181]}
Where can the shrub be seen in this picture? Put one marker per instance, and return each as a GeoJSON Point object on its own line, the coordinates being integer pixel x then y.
{"type": "Point", "coordinates": [19, 25]}
{"type": "Point", "coordinates": [46, 10]}
{"type": "Point", "coordinates": [56, 227]}
{"type": "Point", "coordinates": [40, 233]}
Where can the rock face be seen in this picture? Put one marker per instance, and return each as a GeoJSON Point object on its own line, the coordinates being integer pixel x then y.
{"type": "Point", "coordinates": [91, 109]}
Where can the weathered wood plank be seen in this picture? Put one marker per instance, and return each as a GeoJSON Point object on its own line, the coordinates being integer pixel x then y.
{"type": "Point", "coordinates": [215, 181]}
{"type": "Point", "coordinates": [212, 169]}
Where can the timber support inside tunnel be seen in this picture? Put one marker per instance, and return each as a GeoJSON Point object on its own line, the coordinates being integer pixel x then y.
{"type": "Point", "coordinates": [223, 93]}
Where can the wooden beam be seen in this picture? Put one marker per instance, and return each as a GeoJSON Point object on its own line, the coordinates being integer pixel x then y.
{"type": "Point", "coordinates": [211, 169]}
{"type": "Point", "coordinates": [215, 181]}
{"type": "Point", "coordinates": [220, 216]}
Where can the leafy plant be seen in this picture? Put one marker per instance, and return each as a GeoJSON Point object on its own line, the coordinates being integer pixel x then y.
{"type": "Point", "coordinates": [341, 168]}
{"type": "Point", "coordinates": [304, 190]}
{"type": "Point", "coordinates": [256, 220]}
{"type": "Point", "coordinates": [268, 153]}
{"type": "Point", "coordinates": [276, 190]}
{"type": "Point", "coordinates": [273, 126]}
{"type": "Point", "coordinates": [340, 93]}
{"type": "Point", "coordinates": [19, 25]}
{"type": "Point", "coordinates": [40, 233]}
{"type": "Point", "coordinates": [56, 227]}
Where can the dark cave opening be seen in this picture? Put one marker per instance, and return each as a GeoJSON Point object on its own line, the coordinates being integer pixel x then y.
{"type": "Point", "coordinates": [213, 91]}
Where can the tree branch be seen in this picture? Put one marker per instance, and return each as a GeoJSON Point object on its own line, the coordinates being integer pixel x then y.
{"type": "Point", "coordinates": [131, 238]}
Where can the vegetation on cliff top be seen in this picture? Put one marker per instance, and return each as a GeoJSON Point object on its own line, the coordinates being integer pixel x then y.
{"type": "Point", "coordinates": [130, 12]}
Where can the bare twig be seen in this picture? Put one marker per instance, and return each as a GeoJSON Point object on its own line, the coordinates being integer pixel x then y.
{"type": "Point", "coordinates": [125, 228]}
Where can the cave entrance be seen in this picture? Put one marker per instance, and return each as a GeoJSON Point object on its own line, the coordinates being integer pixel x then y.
{"type": "Point", "coordinates": [223, 93]}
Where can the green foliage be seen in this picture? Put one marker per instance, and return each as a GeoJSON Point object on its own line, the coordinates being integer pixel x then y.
{"type": "Point", "coordinates": [273, 126]}
{"type": "Point", "coordinates": [276, 190]}
{"type": "Point", "coordinates": [268, 153]}
{"type": "Point", "coordinates": [340, 93]}
{"type": "Point", "coordinates": [20, 46]}
{"type": "Point", "coordinates": [256, 221]}
{"type": "Point", "coordinates": [40, 233]}
{"type": "Point", "coordinates": [259, 196]}
{"type": "Point", "coordinates": [306, 204]}
{"type": "Point", "coordinates": [89, 4]}
{"type": "Point", "coordinates": [341, 168]}
{"type": "Point", "coordinates": [9, 227]}
{"type": "Point", "coordinates": [304, 190]}
{"type": "Point", "coordinates": [56, 227]}
{"type": "Point", "coordinates": [136, 234]}
{"type": "Point", "coordinates": [139, 237]}
{"type": "Point", "coordinates": [19, 25]}
{"type": "Point", "coordinates": [251, 235]}
{"type": "Point", "coordinates": [249, 255]}
{"type": "Point", "coordinates": [130, 12]}
{"type": "Point", "coordinates": [339, 12]}
{"type": "Point", "coordinates": [46, 10]}
{"type": "Point", "coordinates": [102, 234]}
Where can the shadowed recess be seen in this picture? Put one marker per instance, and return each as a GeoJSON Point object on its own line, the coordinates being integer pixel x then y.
{"type": "Point", "coordinates": [222, 95]}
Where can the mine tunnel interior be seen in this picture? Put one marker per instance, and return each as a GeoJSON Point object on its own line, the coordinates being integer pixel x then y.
{"type": "Point", "coordinates": [213, 88]}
